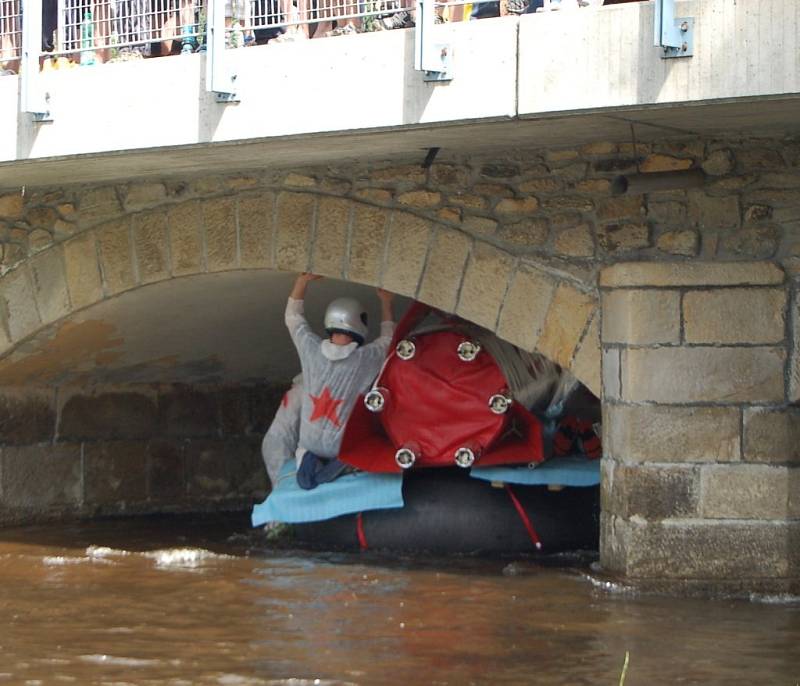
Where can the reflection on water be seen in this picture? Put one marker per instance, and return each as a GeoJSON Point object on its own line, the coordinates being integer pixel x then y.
{"type": "Point", "coordinates": [199, 601]}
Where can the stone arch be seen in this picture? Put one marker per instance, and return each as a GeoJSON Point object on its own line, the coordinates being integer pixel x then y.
{"type": "Point", "coordinates": [373, 239]}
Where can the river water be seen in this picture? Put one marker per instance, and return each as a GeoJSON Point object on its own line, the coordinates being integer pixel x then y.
{"type": "Point", "coordinates": [204, 601]}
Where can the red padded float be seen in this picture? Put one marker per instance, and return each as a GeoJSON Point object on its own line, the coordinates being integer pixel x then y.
{"type": "Point", "coordinates": [436, 403]}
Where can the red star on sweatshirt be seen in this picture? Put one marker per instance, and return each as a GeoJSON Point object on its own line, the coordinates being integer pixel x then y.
{"type": "Point", "coordinates": [325, 407]}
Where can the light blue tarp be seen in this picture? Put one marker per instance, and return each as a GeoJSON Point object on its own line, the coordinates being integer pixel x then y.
{"type": "Point", "coordinates": [567, 471]}
{"type": "Point", "coordinates": [359, 492]}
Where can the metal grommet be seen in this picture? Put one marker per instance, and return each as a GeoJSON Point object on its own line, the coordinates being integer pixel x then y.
{"type": "Point", "coordinates": [464, 457]}
{"type": "Point", "coordinates": [405, 458]}
{"type": "Point", "coordinates": [375, 400]}
{"type": "Point", "coordinates": [406, 349]}
{"type": "Point", "coordinates": [468, 350]}
{"type": "Point", "coordinates": [499, 403]}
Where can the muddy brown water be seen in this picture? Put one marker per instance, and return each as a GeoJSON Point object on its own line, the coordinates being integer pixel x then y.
{"type": "Point", "coordinates": [205, 601]}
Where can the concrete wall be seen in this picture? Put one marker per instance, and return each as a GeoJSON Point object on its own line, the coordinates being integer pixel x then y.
{"type": "Point", "coordinates": [128, 450]}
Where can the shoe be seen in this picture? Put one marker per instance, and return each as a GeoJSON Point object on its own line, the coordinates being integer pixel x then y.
{"type": "Point", "coordinates": [400, 20]}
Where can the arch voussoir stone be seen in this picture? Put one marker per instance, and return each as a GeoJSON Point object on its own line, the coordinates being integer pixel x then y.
{"type": "Point", "coordinates": [298, 230]}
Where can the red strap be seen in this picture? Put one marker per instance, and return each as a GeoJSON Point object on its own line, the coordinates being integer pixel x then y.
{"type": "Point", "coordinates": [362, 539]}
{"type": "Point", "coordinates": [525, 519]}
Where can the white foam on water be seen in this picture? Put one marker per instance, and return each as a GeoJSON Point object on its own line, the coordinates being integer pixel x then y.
{"type": "Point", "coordinates": [184, 558]}
{"type": "Point", "coordinates": [118, 661]}
{"type": "Point", "coordinates": [102, 552]}
{"type": "Point", "coordinates": [62, 561]}
{"type": "Point", "coordinates": [776, 599]}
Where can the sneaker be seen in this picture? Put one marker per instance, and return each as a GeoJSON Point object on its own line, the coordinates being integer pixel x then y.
{"type": "Point", "coordinates": [400, 20]}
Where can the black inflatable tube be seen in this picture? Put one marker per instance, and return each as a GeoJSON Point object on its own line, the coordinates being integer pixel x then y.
{"type": "Point", "coordinates": [448, 512]}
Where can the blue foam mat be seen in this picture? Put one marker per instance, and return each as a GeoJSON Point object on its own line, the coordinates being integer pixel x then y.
{"type": "Point", "coordinates": [359, 492]}
{"type": "Point", "coordinates": [567, 471]}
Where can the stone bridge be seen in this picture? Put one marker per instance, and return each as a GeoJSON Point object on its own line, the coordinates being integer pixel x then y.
{"type": "Point", "coordinates": [143, 347]}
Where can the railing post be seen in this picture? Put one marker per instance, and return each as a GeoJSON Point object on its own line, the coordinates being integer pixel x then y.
{"type": "Point", "coordinates": [33, 99]}
{"type": "Point", "coordinates": [675, 35]}
{"type": "Point", "coordinates": [219, 79]}
{"type": "Point", "coordinates": [435, 60]}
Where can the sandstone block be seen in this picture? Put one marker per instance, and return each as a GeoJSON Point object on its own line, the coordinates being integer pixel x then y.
{"type": "Point", "coordinates": [525, 307]}
{"type": "Point", "coordinates": [293, 231]}
{"type": "Point", "coordinates": [246, 468]}
{"type": "Point", "coordinates": [756, 242]}
{"type": "Point", "coordinates": [11, 205]}
{"type": "Point", "coordinates": [409, 238]}
{"type": "Point", "coordinates": [255, 213]}
{"type": "Point", "coordinates": [735, 315]}
{"type": "Point", "coordinates": [300, 180]}
{"type": "Point", "coordinates": [516, 206]}
{"type": "Point", "coordinates": [627, 274]}
{"type": "Point", "coordinates": [42, 217]}
{"type": "Point", "coordinates": [408, 173]}
{"type": "Point", "coordinates": [565, 323]}
{"type": "Point", "coordinates": [712, 212]}
{"type": "Point", "coordinates": [40, 477]}
{"type": "Point", "coordinates": [775, 197]}
{"type": "Point", "coordinates": [576, 241]}
{"type": "Point", "coordinates": [611, 373]}
{"type": "Point", "coordinates": [150, 245]}
{"type": "Point", "coordinates": [448, 176]}
{"type": "Point", "coordinates": [757, 213]}
{"type": "Point", "coordinates": [642, 317]}
{"type": "Point", "coordinates": [143, 195]}
{"type": "Point", "coordinates": [26, 417]}
{"type": "Point", "coordinates": [449, 214]}
{"type": "Point", "coordinates": [186, 239]}
{"type": "Point", "coordinates": [547, 184]}
{"type": "Point", "coordinates": [493, 190]}
{"type": "Point", "coordinates": [593, 186]}
{"type": "Point", "coordinates": [623, 237]}
{"type": "Point", "coordinates": [107, 416]}
{"type": "Point", "coordinates": [685, 242]}
{"type": "Point", "coordinates": [668, 212]}
{"type": "Point", "coordinates": [560, 203]}
{"type": "Point", "coordinates": [528, 233]}
{"type": "Point", "coordinates": [367, 244]}
{"type": "Point", "coordinates": [187, 413]}
{"type": "Point", "coordinates": [444, 270]}
{"type": "Point", "coordinates": [50, 284]}
{"type": "Point", "coordinates": [99, 205]}
{"type": "Point", "coordinates": [705, 374]}
{"type": "Point", "coordinates": [422, 199]}
{"type": "Point", "coordinates": [207, 468]}
{"type": "Point", "coordinates": [330, 241]}
{"type": "Point", "coordinates": [500, 170]}
{"type": "Point", "coordinates": [759, 158]}
{"type": "Point", "coordinates": [241, 183]}
{"type": "Point", "coordinates": [652, 493]}
{"type": "Point", "coordinates": [656, 162]}
{"type": "Point", "coordinates": [116, 256]}
{"type": "Point", "coordinates": [556, 156]}
{"type": "Point", "coordinates": [39, 239]}
{"type": "Point", "coordinates": [17, 291]}
{"type": "Point", "coordinates": [652, 433]}
{"type": "Point", "coordinates": [379, 196]}
{"type": "Point", "coordinates": [480, 225]}
{"type": "Point", "coordinates": [599, 148]}
{"type": "Point", "coordinates": [772, 435]}
{"type": "Point", "coordinates": [219, 220]}
{"type": "Point", "coordinates": [744, 492]}
{"type": "Point", "coordinates": [586, 365]}
{"type": "Point", "coordinates": [83, 271]}
{"type": "Point", "coordinates": [624, 207]}
{"type": "Point", "coordinates": [473, 202]}
{"type": "Point", "coordinates": [115, 473]}
{"type": "Point", "coordinates": [484, 286]}
{"type": "Point", "coordinates": [718, 163]}
{"type": "Point", "coordinates": [697, 549]}
{"type": "Point", "coordinates": [794, 361]}
{"type": "Point", "coordinates": [166, 475]}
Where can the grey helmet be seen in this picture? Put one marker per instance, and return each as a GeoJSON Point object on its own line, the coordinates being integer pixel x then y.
{"type": "Point", "coordinates": [346, 315]}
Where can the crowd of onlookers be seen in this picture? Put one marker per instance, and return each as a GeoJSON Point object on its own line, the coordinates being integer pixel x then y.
{"type": "Point", "coordinates": [95, 31]}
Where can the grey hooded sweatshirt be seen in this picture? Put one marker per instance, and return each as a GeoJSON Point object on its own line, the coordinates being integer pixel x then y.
{"type": "Point", "coordinates": [333, 378]}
